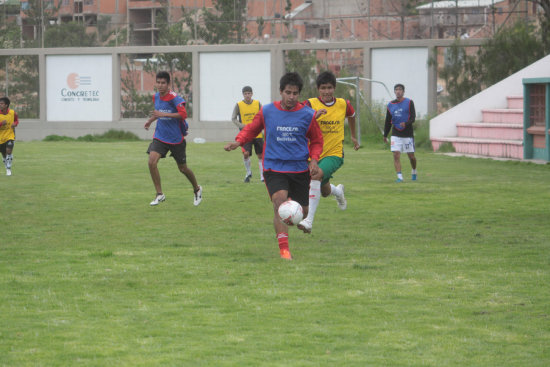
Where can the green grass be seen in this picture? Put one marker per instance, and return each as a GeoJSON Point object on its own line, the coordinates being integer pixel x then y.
{"type": "Point", "coordinates": [452, 270]}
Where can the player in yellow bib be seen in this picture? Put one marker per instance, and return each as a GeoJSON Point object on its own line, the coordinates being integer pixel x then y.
{"type": "Point", "coordinates": [243, 114]}
{"type": "Point", "coordinates": [331, 114]}
{"type": "Point", "coordinates": [8, 122]}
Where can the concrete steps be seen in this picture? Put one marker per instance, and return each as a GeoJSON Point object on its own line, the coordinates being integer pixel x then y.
{"type": "Point", "coordinates": [500, 134]}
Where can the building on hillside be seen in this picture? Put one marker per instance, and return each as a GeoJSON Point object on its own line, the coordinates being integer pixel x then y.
{"type": "Point", "coordinates": [276, 21]}
{"type": "Point", "coordinates": [471, 18]}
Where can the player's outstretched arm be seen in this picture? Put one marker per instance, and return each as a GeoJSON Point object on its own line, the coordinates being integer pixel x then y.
{"type": "Point", "coordinates": [232, 146]}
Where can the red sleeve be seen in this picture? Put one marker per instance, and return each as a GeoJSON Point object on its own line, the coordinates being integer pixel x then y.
{"type": "Point", "coordinates": [315, 137]}
{"type": "Point", "coordinates": [15, 119]}
{"type": "Point", "coordinates": [252, 130]}
{"type": "Point", "coordinates": [181, 110]}
{"type": "Point", "coordinates": [349, 109]}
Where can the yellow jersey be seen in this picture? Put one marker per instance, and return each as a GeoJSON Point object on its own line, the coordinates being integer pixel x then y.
{"type": "Point", "coordinates": [248, 111]}
{"type": "Point", "coordinates": [332, 125]}
{"type": "Point", "coordinates": [6, 131]}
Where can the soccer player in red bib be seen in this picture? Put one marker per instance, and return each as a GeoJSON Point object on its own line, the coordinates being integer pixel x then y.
{"type": "Point", "coordinates": [8, 122]}
{"type": "Point", "coordinates": [292, 136]}
{"type": "Point", "coordinates": [400, 117]}
{"type": "Point", "coordinates": [169, 136]}
{"type": "Point", "coordinates": [331, 114]}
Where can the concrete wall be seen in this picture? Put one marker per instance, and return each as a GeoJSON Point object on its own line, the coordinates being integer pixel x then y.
{"type": "Point", "coordinates": [210, 130]}
{"type": "Point", "coordinates": [444, 125]}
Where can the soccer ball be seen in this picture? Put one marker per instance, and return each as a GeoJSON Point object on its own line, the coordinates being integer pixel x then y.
{"type": "Point", "coordinates": [290, 212]}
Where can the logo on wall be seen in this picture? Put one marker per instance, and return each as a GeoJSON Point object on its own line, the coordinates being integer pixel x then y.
{"type": "Point", "coordinates": [74, 80]}
{"type": "Point", "coordinates": [74, 93]}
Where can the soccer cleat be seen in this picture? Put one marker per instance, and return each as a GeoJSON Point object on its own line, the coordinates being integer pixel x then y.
{"type": "Point", "coordinates": [342, 203]}
{"type": "Point", "coordinates": [8, 172]}
{"type": "Point", "coordinates": [399, 180]}
{"type": "Point", "coordinates": [198, 196]}
{"type": "Point", "coordinates": [159, 198]}
{"type": "Point", "coordinates": [247, 178]}
{"type": "Point", "coordinates": [413, 177]}
{"type": "Point", "coordinates": [305, 225]}
{"type": "Point", "coordinates": [285, 254]}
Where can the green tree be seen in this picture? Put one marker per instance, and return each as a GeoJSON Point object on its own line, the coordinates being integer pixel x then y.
{"type": "Point", "coordinates": [304, 62]}
{"type": "Point", "coordinates": [404, 9]}
{"type": "Point", "coordinates": [224, 24]}
{"type": "Point", "coordinates": [545, 21]}
{"type": "Point", "coordinates": [37, 14]}
{"type": "Point", "coordinates": [510, 50]}
{"type": "Point", "coordinates": [68, 35]}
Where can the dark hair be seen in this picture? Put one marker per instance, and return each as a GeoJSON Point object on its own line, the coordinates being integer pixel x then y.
{"type": "Point", "coordinates": [399, 86]}
{"type": "Point", "coordinates": [247, 88]}
{"type": "Point", "coordinates": [292, 78]}
{"type": "Point", "coordinates": [326, 77]}
{"type": "Point", "coordinates": [6, 100]}
{"type": "Point", "coordinates": [164, 75]}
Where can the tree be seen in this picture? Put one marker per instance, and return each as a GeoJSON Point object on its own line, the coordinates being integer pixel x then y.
{"type": "Point", "coordinates": [68, 35]}
{"type": "Point", "coordinates": [404, 9]}
{"type": "Point", "coordinates": [37, 14]}
{"type": "Point", "coordinates": [136, 104]}
{"type": "Point", "coordinates": [510, 50]}
{"type": "Point", "coordinates": [224, 24]}
{"type": "Point", "coordinates": [303, 63]}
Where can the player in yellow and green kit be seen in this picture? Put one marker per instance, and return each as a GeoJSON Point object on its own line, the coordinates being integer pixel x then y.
{"type": "Point", "coordinates": [243, 114]}
{"type": "Point", "coordinates": [8, 122]}
{"type": "Point", "coordinates": [331, 114]}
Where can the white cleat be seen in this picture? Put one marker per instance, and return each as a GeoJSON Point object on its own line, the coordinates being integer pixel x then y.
{"type": "Point", "coordinates": [198, 196]}
{"type": "Point", "coordinates": [160, 198]}
{"type": "Point", "coordinates": [342, 203]}
{"type": "Point", "coordinates": [8, 172]}
{"type": "Point", "coordinates": [305, 225]}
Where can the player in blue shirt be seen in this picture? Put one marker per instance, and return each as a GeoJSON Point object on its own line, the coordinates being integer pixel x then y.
{"type": "Point", "coordinates": [400, 117]}
{"type": "Point", "coordinates": [169, 136]}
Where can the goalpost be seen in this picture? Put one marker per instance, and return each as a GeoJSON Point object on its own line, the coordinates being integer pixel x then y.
{"type": "Point", "coordinates": [358, 97]}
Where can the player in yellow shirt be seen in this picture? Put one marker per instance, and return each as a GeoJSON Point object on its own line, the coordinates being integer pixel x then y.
{"type": "Point", "coordinates": [8, 122]}
{"type": "Point", "coordinates": [331, 114]}
{"type": "Point", "coordinates": [243, 114]}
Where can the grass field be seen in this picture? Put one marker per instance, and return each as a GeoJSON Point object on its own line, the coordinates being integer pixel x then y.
{"type": "Point", "coordinates": [452, 270]}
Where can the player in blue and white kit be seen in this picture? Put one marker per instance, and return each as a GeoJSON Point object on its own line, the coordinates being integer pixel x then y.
{"type": "Point", "coordinates": [169, 136]}
{"type": "Point", "coordinates": [292, 136]}
{"type": "Point", "coordinates": [400, 117]}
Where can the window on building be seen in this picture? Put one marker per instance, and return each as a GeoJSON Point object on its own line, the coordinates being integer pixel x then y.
{"type": "Point", "coordinates": [78, 7]}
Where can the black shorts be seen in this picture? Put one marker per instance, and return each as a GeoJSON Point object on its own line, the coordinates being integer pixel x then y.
{"type": "Point", "coordinates": [297, 185]}
{"type": "Point", "coordinates": [4, 146]}
{"type": "Point", "coordinates": [177, 150]}
{"type": "Point", "coordinates": [258, 144]}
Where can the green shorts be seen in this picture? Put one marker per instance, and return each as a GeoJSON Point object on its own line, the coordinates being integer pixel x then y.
{"type": "Point", "coordinates": [329, 165]}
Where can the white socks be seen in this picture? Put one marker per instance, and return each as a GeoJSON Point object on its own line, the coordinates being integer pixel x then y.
{"type": "Point", "coordinates": [247, 166]}
{"type": "Point", "coordinates": [8, 160]}
{"type": "Point", "coordinates": [260, 164]}
{"type": "Point", "coordinates": [413, 172]}
{"type": "Point", "coordinates": [335, 191]}
{"type": "Point", "coordinates": [399, 175]}
{"type": "Point", "coordinates": [314, 198]}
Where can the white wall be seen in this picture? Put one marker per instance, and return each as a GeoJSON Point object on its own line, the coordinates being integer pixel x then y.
{"type": "Point", "coordinates": [79, 87]}
{"type": "Point", "coordinates": [408, 66]}
{"type": "Point", "coordinates": [224, 74]}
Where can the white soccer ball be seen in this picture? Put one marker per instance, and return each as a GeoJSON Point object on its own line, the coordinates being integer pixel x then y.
{"type": "Point", "coordinates": [291, 212]}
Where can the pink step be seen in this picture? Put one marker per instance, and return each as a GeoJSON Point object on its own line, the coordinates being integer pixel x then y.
{"type": "Point", "coordinates": [490, 130]}
{"type": "Point", "coordinates": [514, 102]}
{"type": "Point", "coordinates": [484, 147]}
{"type": "Point", "coordinates": [514, 116]}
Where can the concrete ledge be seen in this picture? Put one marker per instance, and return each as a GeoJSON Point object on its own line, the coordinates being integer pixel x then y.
{"type": "Point", "coordinates": [28, 130]}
